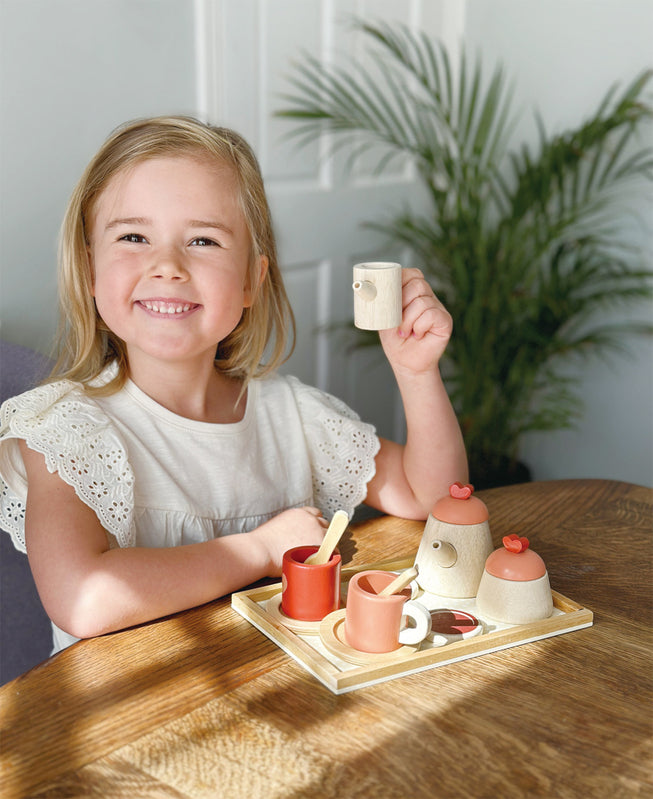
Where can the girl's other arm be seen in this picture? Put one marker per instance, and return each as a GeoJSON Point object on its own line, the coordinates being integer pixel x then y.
{"type": "Point", "coordinates": [88, 589]}
{"type": "Point", "coordinates": [409, 479]}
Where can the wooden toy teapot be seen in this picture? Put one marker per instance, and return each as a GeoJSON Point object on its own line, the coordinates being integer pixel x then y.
{"type": "Point", "coordinates": [455, 544]}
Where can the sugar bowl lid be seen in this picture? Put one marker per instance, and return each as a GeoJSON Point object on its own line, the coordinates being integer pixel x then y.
{"type": "Point", "coordinates": [515, 561]}
{"type": "Point", "coordinates": [460, 506]}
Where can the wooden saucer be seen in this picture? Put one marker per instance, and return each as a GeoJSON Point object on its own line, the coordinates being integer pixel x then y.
{"type": "Point", "coordinates": [332, 634]}
{"type": "Point", "coordinates": [273, 607]}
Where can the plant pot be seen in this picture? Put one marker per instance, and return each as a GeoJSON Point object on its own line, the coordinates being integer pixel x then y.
{"type": "Point", "coordinates": [502, 471]}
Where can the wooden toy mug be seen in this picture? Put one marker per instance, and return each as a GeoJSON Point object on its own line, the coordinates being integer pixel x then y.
{"type": "Point", "coordinates": [309, 591]}
{"type": "Point", "coordinates": [377, 295]}
{"type": "Point", "coordinates": [373, 622]}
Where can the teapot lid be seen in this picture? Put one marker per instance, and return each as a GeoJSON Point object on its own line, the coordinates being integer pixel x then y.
{"type": "Point", "coordinates": [460, 507]}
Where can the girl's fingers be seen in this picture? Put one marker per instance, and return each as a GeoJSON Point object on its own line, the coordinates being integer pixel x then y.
{"type": "Point", "coordinates": [318, 514]}
{"type": "Point", "coordinates": [423, 312]}
{"type": "Point", "coordinates": [409, 274]}
{"type": "Point", "coordinates": [313, 511]}
{"type": "Point", "coordinates": [435, 321]}
{"type": "Point", "coordinates": [413, 286]}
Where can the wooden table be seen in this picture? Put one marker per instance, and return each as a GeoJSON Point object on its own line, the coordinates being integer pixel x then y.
{"type": "Point", "coordinates": [203, 705]}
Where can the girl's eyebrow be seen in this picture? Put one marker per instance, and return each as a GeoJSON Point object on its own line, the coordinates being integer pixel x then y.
{"type": "Point", "coordinates": [210, 224]}
{"type": "Point", "coordinates": [140, 220]}
{"type": "Point", "coordinates": [129, 220]}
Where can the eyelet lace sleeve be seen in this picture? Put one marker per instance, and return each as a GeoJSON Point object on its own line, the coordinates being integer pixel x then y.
{"type": "Point", "coordinates": [341, 449]}
{"type": "Point", "coordinates": [78, 442]}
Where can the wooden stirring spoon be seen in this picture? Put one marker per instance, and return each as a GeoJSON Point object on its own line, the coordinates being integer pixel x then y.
{"type": "Point", "coordinates": [329, 542]}
{"type": "Point", "coordinates": [400, 582]}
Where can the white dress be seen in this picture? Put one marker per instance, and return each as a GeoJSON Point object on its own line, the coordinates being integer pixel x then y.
{"type": "Point", "coordinates": [156, 479]}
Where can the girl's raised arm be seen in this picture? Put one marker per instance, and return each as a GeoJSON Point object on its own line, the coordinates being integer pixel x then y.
{"type": "Point", "coordinates": [409, 479]}
{"type": "Point", "coordinates": [88, 588]}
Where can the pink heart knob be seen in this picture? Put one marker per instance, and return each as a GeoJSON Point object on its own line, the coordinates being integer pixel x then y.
{"type": "Point", "coordinates": [460, 491]}
{"type": "Point", "coordinates": [513, 543]}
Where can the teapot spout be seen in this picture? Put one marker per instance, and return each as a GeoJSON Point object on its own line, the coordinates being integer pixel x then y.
{"type": "Point", "coordinates": [444, 553]}
{"type": "Point", "coordinates": [365, 289]}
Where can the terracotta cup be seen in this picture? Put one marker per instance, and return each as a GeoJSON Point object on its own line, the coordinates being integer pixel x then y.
{"type": "Point", "coordinates": [373, 623]}
{"type": "Point", "coordinates": [309, 592]}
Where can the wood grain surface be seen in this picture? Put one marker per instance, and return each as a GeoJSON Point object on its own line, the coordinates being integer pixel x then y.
{"type": "Point", "coordinates": [201, 704]}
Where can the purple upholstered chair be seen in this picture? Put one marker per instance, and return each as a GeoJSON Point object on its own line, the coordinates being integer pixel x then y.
{"type": "Point", "coordinates": [25, 632]}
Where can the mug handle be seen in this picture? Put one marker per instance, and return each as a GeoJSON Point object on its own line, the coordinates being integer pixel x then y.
{"type": "Point", "coordinates": [421, 626]}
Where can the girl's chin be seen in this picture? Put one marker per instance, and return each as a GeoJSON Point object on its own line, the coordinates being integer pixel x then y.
{"type": "Point", "coordinates": [170, 353]}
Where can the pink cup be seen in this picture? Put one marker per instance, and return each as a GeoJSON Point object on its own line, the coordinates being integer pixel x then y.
{"type": "Point", "coordinates": [374, 623]}
{"type": "Point", "coordinates": [309, 592]}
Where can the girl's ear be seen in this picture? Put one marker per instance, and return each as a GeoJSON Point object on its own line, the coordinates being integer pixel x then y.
{"type": "Point", "coordinates": [251, 291]}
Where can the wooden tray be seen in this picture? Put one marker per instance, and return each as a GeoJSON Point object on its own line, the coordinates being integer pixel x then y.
{"type": "Point", "coordinates": [340, 676]}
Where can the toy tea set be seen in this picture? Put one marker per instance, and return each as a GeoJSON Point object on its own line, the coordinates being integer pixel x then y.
{"type": "Point", "coordinates": [458, 598]}
{"type": "Point", "coordinates": [385, 612]}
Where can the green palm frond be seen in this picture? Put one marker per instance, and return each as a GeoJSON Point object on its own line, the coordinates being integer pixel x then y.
{"type": "Point", "coordinates": [520, 245]}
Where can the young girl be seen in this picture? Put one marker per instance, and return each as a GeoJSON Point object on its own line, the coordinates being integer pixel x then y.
{"type": "Point", "coordinates": [161, 427]}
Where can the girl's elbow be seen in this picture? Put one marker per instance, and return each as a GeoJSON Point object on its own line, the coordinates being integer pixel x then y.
{"type": "Point", "coordinates": [80, 627]}
{"type": "Point", "coordinates": [79, 622]}
{"type": "Point", "coordinates": [86, 614]}
{"type": "Point", "coordinates": [416, 511]}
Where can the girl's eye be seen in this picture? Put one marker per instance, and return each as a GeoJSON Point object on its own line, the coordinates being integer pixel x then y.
{"type": "Point", "coordinates": [201, 241]}
{"type": "Point", "coordinates": [133, 238]}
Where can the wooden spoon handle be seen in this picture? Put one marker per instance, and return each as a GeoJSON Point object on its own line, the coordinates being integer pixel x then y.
{"type": "Point", "coordinates": [329, 542]}
{"type": "Point", "coordinates": [400, 582]}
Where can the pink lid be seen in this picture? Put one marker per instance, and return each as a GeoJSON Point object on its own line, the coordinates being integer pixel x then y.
{"type": "Point", "coordinates": [460, 507]}
{"type": "Point", "coordinates": [515, 561]}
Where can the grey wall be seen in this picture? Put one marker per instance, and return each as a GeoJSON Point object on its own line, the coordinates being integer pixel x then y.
{"type": "Point", "coordinates": [72, 70]}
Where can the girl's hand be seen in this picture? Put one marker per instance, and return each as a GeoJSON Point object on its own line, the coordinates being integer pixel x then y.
{"type": "Point", "coordinates": [291, 528]}
{"type": "Point", "coordinates": [418, 343]}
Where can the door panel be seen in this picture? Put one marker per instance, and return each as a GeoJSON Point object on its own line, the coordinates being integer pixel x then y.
{"type": "Point", "coordinates": [319, 204]}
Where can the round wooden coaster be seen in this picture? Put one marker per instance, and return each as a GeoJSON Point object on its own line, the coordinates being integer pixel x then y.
{"type": "Point", "coordinates": [332, 633]}
{"type": "Point", "coordinates": [273, 607]}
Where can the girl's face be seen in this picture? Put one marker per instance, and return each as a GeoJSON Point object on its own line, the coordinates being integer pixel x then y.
{"type": "Point", "coordinates": [169, 250]}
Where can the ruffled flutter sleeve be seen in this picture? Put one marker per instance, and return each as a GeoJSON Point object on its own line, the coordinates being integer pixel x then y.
{"type": "Point", "coordinates": [341, 449]}
{"type": "Point", "coordinates": [80, 443]}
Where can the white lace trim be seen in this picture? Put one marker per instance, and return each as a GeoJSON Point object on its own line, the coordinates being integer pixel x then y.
{"type": "Point", "coordinates": [341, 448]}
{"type": "Point", "coordinates": [80, 443]}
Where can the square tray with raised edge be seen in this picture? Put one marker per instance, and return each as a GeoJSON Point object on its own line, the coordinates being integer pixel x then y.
{"type": "Point", "coordinates": [341, 677]}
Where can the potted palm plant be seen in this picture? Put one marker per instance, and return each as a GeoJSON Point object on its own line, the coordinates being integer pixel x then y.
{"type": "Point", "coordinates": [519, 244]}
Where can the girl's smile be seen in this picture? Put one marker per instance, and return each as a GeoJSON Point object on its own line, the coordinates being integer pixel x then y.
{"type": "Point", "coordinates": [168, 309]}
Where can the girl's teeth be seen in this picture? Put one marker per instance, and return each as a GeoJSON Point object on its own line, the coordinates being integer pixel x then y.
{"type": "Point", "coordinates": [164, 307]}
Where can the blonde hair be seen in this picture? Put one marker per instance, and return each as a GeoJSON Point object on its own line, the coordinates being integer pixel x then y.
{"type": "Point", "coordinates": [86, 345]}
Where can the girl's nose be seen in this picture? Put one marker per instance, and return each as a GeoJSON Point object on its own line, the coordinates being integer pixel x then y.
{"type": "Point", "coordinates": [168, 264]}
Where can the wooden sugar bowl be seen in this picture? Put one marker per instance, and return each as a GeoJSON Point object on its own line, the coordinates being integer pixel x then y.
{"type": "Point", "coordinates": [455, 544]}
{"type": "Point", "coordinates": [515, 585]}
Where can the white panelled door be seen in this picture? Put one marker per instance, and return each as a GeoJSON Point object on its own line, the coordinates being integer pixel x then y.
{"type": "Point", "coordinates": [245, 52]}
